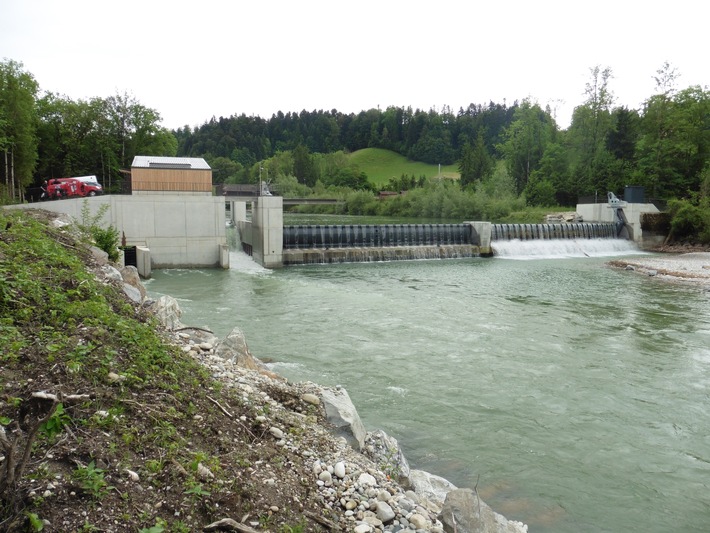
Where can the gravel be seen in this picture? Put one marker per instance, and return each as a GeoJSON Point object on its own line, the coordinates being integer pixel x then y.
{"type": "Point", "coordinates": [688, 268]}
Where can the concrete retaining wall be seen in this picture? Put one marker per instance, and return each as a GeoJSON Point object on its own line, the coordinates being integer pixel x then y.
{"type": "Point", "coordinates": [178, 230]}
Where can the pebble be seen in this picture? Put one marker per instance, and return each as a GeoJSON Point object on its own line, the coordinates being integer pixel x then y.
{"type": "Point", "coordinates": [339, 469]}
{"type": "Point", "coordinates": [311, 398]}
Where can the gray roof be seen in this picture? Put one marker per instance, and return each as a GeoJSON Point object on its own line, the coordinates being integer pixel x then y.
{"type": "Point", "coordinates": [187, 163]}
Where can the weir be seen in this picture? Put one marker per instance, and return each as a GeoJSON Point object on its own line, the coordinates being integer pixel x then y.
{"type": "Point", "coordinates": [384, 242]}
{"type": "Point", "coordinates": [274, 245]}
{"type": "Point", "coordinates": [367, 236]}
{"type": "Point", "coordinates": [575, 230]}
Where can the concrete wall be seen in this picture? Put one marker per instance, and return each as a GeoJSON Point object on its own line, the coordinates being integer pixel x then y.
{"type": "Point", "coordinates": [481, 233]}
{"type": "Point", "coordinates": [179, 230]}
{"type": "Point", "coordinates": [267, 231]}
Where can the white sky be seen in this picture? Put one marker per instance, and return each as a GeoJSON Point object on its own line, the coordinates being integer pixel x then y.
{"type": "Point", "coordinates": [193, 60]}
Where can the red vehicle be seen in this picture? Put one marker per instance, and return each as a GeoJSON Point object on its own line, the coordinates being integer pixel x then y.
{"type": "Point", "coordinates": [73, 187]}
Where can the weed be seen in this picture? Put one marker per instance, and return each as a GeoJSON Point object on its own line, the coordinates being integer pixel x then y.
{"type": "Point", "coordinates": [53, 426]}
{"type": "Point", "coordinates": [180, 527]}
{"type": "Point", "coordinates": [91, 480]}
{"type": "Point", "coordinates": [264, 520]}
{"type": "Point", "coordinates": [36, 523]}
{"type": "Point", "coordinates": [390, 466]}
{"type": "Point", "coordinates": [154, 466]}
{"type": "Point", "coordinates": [299, 528]}
{"type": "Point", "coordinates": [159, 527]}
{"type": "Point", "coordinates": [196, 490]}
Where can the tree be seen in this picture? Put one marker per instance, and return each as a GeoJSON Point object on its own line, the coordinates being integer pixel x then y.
{"type": "Point", "coordinates": [476, 163]}
{"type": "Point", "coordinates": [591, 123]}
{"type": "Point", "coordinates": [525, 141]}
{"type": "Point", "coordinates": [303, 167]}
{"type": "Point", "coordinates": [18, 125]}
{"type": "Point", "coordinates": [675, 142]}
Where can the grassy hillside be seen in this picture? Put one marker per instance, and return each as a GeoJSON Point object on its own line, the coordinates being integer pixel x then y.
{"type": "Point", "coordinates": [108, 423]}
{"type": "Point", "coordinates": [380, 165]}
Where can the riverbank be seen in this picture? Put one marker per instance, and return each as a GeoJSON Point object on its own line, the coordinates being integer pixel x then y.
{"type": "Point", "coordinates": [687, 267]}
{"type": "Point", "coordinates": [113, 421]}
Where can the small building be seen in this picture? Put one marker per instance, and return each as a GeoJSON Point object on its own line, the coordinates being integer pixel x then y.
{"type": "Point", "coordinates": [170, 175]}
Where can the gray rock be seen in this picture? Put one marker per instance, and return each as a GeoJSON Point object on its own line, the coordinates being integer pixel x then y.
{"type": "Point", "coordinates": [388, 455]}
{"type": "Point", "coordinates": [429, 486]}
{"type": "Point", "coordinates": [111, 273]}
{"type": "Point", "coordinates": [133, 294]}
{"type": "Point", "coordinates": [418, 521]}
{"type": "Point", "coordinates": [339, 469]}
{"type": "Point", "coordinates": [465, 512]}
{"type": "Point", "coordinates": [341, 413]}
{"type": "Point", "coordinates": [100, 256]}
{"type": "Point", "coordinates": [384, 512]}
{"type": "Point", "coordinates": [168, 312]}
{"type": "Point", "coordinates": [311, 398]}
{"type": "Point", "coordinates": [130, 275]}
{"type": "Point", "coordinates": [234, 348]}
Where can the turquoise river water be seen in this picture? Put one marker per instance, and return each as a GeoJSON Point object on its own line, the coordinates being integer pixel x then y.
{"type": "Point", "coordinates": [574, 394]}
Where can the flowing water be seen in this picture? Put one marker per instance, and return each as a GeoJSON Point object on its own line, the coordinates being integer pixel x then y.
{"type": "Point", "coordinates": [576, 396]}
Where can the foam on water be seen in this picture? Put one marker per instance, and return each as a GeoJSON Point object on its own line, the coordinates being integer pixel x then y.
{"type": "Point", "coordinates": [561, 248]}
{"type": "Point", "coordinates": [244, 263]}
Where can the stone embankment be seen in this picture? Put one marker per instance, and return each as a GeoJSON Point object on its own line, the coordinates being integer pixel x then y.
{"type": "Point", "coordinates": [362, 477]}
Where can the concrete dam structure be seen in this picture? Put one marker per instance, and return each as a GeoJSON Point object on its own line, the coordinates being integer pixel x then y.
{"type": "Point", "coordinates": [386, 242]}
{"type": "Point", "coordinates": [274, 245]}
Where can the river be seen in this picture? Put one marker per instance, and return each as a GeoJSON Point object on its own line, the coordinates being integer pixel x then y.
{"type": "Point", "coordinates": [574, 395]}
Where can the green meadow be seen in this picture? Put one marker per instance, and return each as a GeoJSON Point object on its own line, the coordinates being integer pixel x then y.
{"type": "Point", "coordinates": [380, 165]}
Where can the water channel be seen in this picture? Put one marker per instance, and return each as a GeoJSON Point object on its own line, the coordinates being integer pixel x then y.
{"type": "Point", "coordinates": [575, 395]}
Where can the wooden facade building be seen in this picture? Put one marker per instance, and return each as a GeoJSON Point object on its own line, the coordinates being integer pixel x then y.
{"type": "Point", "coordinates": [172, 175]}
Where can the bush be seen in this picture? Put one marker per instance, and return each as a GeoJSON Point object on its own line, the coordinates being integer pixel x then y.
{"type": "Point", "coordinates": [105, 238]}
{"type": "Point", "coordinates": [689, 221]}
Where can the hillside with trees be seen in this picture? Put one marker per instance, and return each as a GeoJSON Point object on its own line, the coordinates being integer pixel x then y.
{"type": "Point", "coordinates": [503, 152]}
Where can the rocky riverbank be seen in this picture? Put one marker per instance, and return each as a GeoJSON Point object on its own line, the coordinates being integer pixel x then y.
{"type": "Point", "coordinates": [115, 416]}
{"type": "Point", "coordinates": [690, 268]}
{"type": "Point", "coordinates": [362, 478]}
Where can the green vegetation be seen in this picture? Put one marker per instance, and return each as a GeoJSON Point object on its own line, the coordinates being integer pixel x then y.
{"type": "Point", "coordinates": [101, 412]}
{"type": "Point", "coordinates": [91, 480]}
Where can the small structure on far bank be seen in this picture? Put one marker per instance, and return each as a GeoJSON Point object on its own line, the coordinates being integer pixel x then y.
{"type": "Point", "coordinates": [170, 175]}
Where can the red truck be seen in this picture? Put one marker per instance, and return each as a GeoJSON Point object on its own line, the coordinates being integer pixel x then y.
{"type": "Point", "coordinates": [79, 187]}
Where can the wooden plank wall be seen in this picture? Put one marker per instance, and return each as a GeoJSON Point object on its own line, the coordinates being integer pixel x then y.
{"type": "Point", "coordinates": [177, 180]}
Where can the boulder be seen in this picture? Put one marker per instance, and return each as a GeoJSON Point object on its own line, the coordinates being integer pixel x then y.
{"type": "Point", "coordinates": [430, 487]}
{"type": "Point", "coordinates": [384, 450]}
{"type": "Point", "coordinates": [133, 294]}
{"type": "Point", "coordinates": [341, 413]}
{"type": "Point", "coordinates": [111, 273]}
{"type": "Point", "coordinates": [131, 277]}
{"type": "Point", "coordinates": [99, 255]}
{"type": "Point", "coordinates": [168, 312]}
{"type": "Point", "coordinates": [234, 348]}
{"type": "Point", "coordinates": [465, 512]}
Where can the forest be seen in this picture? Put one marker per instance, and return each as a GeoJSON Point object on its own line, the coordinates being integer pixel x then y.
{"type": "Point", "coordinates": [514, 154]}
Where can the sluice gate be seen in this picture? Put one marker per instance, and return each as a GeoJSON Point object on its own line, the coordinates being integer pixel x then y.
{"type": "Point", "coordinates": [375, 236]}
{"type": "Point", "coordinates": [384, 242]}
{"type": "Point", "coordinates": [576, 230]}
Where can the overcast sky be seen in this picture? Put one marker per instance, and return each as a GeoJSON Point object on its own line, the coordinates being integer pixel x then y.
{"type": "Point", "coordinates": [193, 60]}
